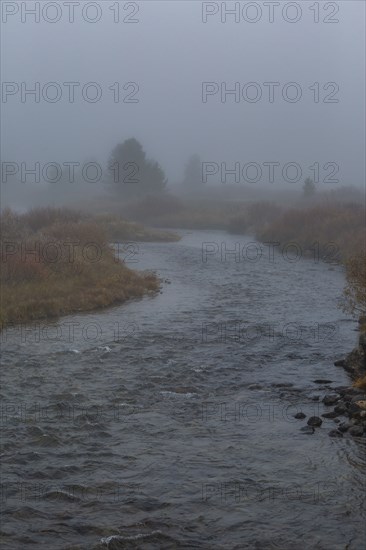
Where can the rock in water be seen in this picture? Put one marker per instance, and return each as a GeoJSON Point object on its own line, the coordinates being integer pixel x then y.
{"type": "Point", "coordinates": [335, 433]}
{"type": "Point", "coordinates": [315, 421]}
{"type": "Point", "coordinates": [356, 431]}
{"type": "Point", "coordinates": [344, 426]}
{"type": "Point", "coordinates": [341, 408]}
{"type": "Point", "coordinates": [330, 399]}
{"type": "Point", "coordinates": [307, 430]}
{"type": "Point", "coordinates": [331, 414]}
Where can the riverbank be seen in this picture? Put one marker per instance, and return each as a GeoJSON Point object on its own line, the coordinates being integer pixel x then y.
{"type": "Point", "coordinates": [144, 375]}
{"type": "Point", "coordinates": [344, 405]}
{"type": "Point", "coordinates": [329, 217]}
{"type": "Point", "coordinates": [333, 231]}
{"type": "Point", "coordinates": [117, 229]}
{"type": "Point", "coordinates": [351, 401]}
{"type": "Point", "coordinates": [355, 362]}
{"type": "Point", "coordinates": [56, 262]}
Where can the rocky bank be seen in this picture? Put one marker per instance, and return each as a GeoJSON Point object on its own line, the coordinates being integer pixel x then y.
{"type": "Point", "coordinates": [346, 405]}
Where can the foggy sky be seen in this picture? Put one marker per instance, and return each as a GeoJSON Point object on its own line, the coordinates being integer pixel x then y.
{"type": "Point", "coordinates": [169, 53]}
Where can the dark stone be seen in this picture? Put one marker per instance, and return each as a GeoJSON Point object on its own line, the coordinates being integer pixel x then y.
{"type": "Point", "coordinates": [336, 420]}
{"type": "Point", "coordinates": [330, 399]}
{"type": "Point", "coordinates": [359, 396]}
{"type": "Point", "coordinates": [362, 338]}
{"type": "Point", "coordinates": [322, 381]}
{"type": "Point", "coordinates": [354, 409]}
{"type": "Point", "coordinates": [331, 414]}
{"type": "Point", "coordinates": [335, 433]}
{"type": "Point", "coordinates": [344, 426]}
{"type": "Point", "coordinates": [315, 421]}
{"type": "Point", "coordinates": [340, 363]}
{"type": "Point", "coordinates": [255, 387]}
{"type": "Point", "coordinates": [340, 408]}
{"type": "Point", "coordinates": [353, 394]}
{"type": "Point", "coordinates": [342, 390]}
{"type": "Point", "coordinates": [315, 398]}
{"type": "Point", "coordinates": [300, 415]}
{"type": "Point", "coordinates": [307, 430]}
{"type": "Point", "coordinates": [356, 431]}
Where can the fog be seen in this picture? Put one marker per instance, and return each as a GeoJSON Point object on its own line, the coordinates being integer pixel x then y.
{"type": "Point", "coordinates": [183, 274]}
{"type": "Point", "coordinates": [168, 52]}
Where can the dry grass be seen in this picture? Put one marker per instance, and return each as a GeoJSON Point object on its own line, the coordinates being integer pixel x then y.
{"type": "Point", "coordinates": [337, 229]}
{"type": "Point", "coordinates": [52, 266]}
{"type": "Point", "coordinates": [118, 229]}
{"type": "Point", "coordinates": [360, 383]}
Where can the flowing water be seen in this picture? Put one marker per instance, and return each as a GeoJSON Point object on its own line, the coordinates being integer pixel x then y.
{"type": "Point", "coordinates": [168, 422]}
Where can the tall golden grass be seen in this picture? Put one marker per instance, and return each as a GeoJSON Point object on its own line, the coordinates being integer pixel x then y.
{"type": "Point", "coordinates": [55, 262]}
{"type": "Point", "coordinates": [342, 225]}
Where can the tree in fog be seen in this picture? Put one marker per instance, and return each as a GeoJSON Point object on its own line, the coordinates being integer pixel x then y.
{"type": "Point", "coordinates": [132, 173]}
{"type": "Point", "coordinates": [308, 188]}
{"type": "Point", "coordinates": [193, 172]}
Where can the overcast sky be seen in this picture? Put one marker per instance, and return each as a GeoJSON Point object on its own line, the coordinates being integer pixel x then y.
{"type": "Point", "coordinates": [169, 52]}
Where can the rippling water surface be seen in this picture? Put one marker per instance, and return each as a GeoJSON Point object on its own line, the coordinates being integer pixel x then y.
{"type": "Point", "coordinates": [168, 422]}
